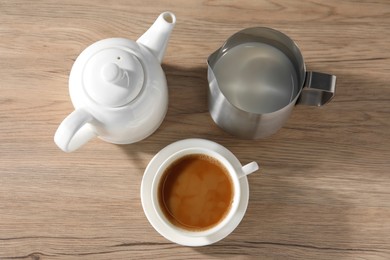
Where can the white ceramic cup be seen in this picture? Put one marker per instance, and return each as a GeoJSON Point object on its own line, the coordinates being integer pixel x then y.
{"type": "Point", "coordinates": [235, 174]}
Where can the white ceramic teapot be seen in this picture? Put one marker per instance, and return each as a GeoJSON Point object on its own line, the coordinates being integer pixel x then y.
{"type": "Point", "coordinates": [118, 89]}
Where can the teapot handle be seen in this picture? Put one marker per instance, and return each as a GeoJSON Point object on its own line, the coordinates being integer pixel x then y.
{"type": "Point", "coordinates": [74, 131]}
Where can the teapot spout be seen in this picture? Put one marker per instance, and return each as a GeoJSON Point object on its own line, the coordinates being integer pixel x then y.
{"type": "Point", "coordinates": [157, 36]}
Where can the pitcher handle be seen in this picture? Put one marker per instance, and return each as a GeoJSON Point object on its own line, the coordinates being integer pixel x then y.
{"type": "Point", "coordinates": [74, 131]}
{"type": "Point", "coordinates": [319, 89]}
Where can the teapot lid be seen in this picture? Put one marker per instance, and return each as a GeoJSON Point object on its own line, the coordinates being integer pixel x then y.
{"type": "Point", "coordinates": [113, 76]}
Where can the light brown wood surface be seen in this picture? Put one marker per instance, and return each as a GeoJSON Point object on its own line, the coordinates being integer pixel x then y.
{"type": "Point", "coordinates": [323, 191]}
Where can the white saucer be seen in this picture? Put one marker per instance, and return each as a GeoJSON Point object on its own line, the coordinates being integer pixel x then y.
{"type": "Point", "coordinates": [146, 187]}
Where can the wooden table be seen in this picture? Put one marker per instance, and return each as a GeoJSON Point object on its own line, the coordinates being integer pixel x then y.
{"type": "Point", "coordinates": [323, 191]}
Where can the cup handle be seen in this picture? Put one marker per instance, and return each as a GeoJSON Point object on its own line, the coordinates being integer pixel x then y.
{"type": "Point", "coordinates": [249, 168]}
{"type": "Point", "coordinates": [74, 131]}
{"type": "Point", "coordinates": [319, 89]}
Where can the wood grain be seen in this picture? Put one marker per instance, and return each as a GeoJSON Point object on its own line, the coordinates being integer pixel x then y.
{"type": "Point", "coordinates": [324, 188]}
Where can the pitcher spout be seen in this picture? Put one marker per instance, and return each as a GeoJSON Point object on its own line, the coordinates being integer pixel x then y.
{"type": "Point", "coordinates": [157, 36]}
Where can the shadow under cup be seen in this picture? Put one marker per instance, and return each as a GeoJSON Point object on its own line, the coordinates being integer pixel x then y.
{"type": "Point", "coordinates": [161, 176]}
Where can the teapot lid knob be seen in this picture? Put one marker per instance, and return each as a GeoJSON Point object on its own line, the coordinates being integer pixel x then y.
{"type": "Point", "coordinates": [111, 72]}
{"type": "Point", "coordinates": [113, 77]}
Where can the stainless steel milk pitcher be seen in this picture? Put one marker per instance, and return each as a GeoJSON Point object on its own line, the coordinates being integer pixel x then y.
{"type": "Point", "coordinates": [256, 78]}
